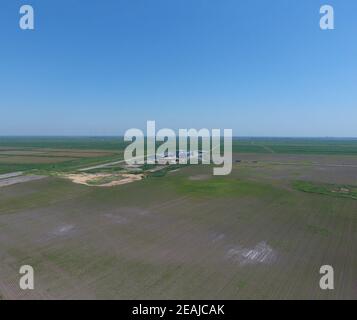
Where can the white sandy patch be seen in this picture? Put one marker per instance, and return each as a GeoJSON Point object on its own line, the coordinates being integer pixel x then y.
{"type": "Point", "coordinates": [218, 237]}
{"type": "Point", "coordinates": [63, 230]}
{"type": "Point", "coordinates": [117, 179]}
{"type": "Point", "coordinates": [261, 253]}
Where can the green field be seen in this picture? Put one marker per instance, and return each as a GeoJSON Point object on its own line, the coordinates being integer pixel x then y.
{"type": "Point", "coordinates": [316, 146]}
{"type": "Point", "coordinates": [263, 232]}
{"type": "Point", "coordinates": [21, 154]}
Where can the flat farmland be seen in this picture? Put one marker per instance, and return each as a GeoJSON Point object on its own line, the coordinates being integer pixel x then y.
{"type": "Point", "coordinates": [28, 158]}
{"type": "Point", "coordinates": [186, 234]}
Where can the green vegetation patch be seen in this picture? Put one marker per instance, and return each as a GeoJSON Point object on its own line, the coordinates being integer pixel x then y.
{"type": "Point", "coordinates": [223, 187]}
{"type": "Point", "coordinates": [88, 143]}
{"type": "Point", "coordinates": [113, 170]}
{"type": "Point", "coordinates": [64, 166]}
{"type": "Point", "coordinates": [315, 146]}
{"type": "Point", "coordinates": [162, 172]}
{"type": "Point", "coordinates": [334, 190]}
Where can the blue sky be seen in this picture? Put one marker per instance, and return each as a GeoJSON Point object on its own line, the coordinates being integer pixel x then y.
{"type": "Point", "coordinates": [260, 67]}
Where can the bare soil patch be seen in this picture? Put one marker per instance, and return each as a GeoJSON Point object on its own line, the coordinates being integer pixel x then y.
{"type": "Point", "coordinates": [103, 179]}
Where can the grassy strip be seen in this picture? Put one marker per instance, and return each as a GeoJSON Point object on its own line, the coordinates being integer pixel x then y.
{"type": "Point", "coordinates": [64, 166]}
{"type": "Point", "coordinates": [225, 187]}
{"type": "Point", "coordinates": [333, 190]}
{"type": "Point", "coordinates": [162, 172]}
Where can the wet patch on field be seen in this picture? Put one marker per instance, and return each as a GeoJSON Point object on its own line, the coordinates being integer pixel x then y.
{"type": "Point", "coordinates": [262, 253]}
{"type": "Point", "coordinates": [218, 237]}
{"type": "Point", "coordinates": [124, 215]}
{"type": "Point", "coordinates": [63, 230]}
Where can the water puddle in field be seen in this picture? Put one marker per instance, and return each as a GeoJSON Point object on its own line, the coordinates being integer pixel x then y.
{"type": "Point", "coordinates": [262, 253]}
{"type": "Point", "coordinates": [63, 230]}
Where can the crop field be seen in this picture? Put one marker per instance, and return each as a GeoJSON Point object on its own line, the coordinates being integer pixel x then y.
{"type": "Point", "coordinates": [21, 155]}
{"type": "Point", "coordinates": [262, 232]}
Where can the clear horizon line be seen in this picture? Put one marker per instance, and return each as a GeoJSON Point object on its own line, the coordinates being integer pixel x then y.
{"type": "Point", "coordinates": [120, 136]}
